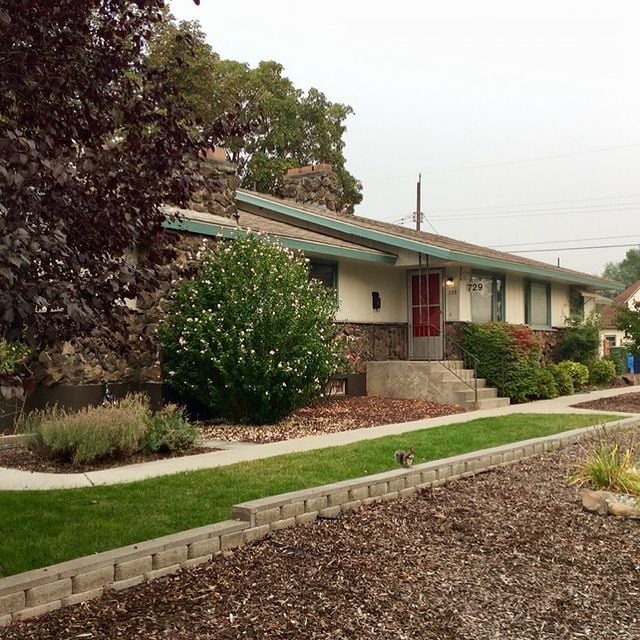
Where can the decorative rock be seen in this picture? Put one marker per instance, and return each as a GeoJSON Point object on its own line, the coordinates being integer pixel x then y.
{"type": "Point", "coordinates": [607, 503]}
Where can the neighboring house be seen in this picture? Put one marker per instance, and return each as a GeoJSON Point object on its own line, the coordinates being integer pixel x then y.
{"type": "Point", "coordinates": [611, 335]}
{"type": "Point", "coordinates": [402, 291]}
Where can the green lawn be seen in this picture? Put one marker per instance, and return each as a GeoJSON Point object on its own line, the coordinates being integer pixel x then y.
{"type": "Point", "coordinates": [39, 528]}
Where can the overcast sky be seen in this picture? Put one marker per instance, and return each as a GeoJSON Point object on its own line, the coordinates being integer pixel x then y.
{"type": "Point", "coordinates": [523, 117]}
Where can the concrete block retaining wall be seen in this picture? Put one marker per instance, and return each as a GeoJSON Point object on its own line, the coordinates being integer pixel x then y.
{"type": "Point", "coordinates": [37, 592]}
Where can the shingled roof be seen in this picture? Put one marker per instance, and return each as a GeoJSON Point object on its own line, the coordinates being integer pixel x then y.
{"type": "Point", "coordinates": [323, 218]}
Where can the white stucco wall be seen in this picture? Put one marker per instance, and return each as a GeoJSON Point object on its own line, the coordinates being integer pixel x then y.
{"type": "Point", "coordinates": [514, 302]}
{"type": "Point", "coordinates": [560, 304]}
{"type": "Point", "coordinates": [356, 281]}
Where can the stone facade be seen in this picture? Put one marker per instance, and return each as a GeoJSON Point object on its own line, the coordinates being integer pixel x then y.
{"type": "Point", "coordinates": [373, 342]}
{"type": "Point", "coordinates": [132, 355]}
{"type": "Point", "coordinates": [221, 182]}
{"type": "Point", "coordinates": [313, 185]}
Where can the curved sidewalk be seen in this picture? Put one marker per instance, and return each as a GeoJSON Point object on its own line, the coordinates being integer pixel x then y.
{"type": "Point", "coordinates": [14, 479]}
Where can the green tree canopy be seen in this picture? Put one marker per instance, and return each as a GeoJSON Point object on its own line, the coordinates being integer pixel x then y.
{"type": "Point", "coordinates": [627, 270]}
{"type": "Point", "coordinates": [289, 128]}
{"type": "Point", "coordinates": [628, 320]}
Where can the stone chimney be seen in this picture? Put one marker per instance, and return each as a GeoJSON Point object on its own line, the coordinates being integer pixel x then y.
{"type": "Point", "coordinates": [221, 182]}
{"type": "Point", "coordinates": [315, 185]}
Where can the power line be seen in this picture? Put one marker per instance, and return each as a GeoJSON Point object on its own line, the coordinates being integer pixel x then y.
{"type": "Point", "coordinates": [534, 204]}
{"type": "Point", "coordinates": [516, 161]}
{"type": "Point", "coordinates": [536, 159]}
{"type": "Point", "coordinates": [541, 213]}
{"type": "Point", "coordinates": [601, 246]}
{"type": "Point", "coordinates": [494, 210]}
{"type": "Point", "coordinates": [529, 244]}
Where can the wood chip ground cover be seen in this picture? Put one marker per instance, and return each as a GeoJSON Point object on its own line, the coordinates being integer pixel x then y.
{"type": "Point", "coordinates": [506, 554]}
{"type": "Point", "coordinates": [332, 416]}
{"type": "Point", "coordinates": [627, 402]}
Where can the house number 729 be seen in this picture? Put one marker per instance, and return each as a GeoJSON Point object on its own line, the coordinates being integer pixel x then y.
{"type": "Point", "coordinates": [475, 286]}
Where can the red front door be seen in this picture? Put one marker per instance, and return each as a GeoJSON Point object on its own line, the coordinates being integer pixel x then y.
{"type": "Point", "coordinates": [426, 319]}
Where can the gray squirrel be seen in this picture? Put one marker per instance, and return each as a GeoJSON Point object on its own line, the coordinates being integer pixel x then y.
{"type": "Point", "coordinates": [405, 458]}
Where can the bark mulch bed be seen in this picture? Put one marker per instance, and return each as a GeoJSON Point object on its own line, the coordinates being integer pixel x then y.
{"type": "Point", "coordinates": [26, 460]}
{"type": "Point", "coordinates": [627, 402]}
{"type": "Point", "coordinates": [333, 415]}
{"type": "Point", "coordinates": [507, 554]}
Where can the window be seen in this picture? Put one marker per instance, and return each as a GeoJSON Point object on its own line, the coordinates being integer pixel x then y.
{"type": "Point", "coordinates": [324, 272]}
{"type": "Point", "coordinates": [611, 340]}
{"type": "Point", "coordinates": [576, 303]}
{"type": "Point", "coordinates": [487, 297]}
{"type": "Point", "coordinates": [537, 304]}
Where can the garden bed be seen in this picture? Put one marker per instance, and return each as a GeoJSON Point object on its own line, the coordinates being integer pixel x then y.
{"type": "Point", "coordinates": [333, 415]}
{"type": "Point", "coordinates": [26, 460]}
{"type": "Point", "coordinates": [626, 402]}
{"type": "Point", "coordinates": [328, 416]}
{"type": "Point", "coordinates": [509, 553]}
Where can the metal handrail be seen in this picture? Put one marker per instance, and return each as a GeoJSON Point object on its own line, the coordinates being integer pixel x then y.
{"type": "Point", "coordinates": [469, 361]}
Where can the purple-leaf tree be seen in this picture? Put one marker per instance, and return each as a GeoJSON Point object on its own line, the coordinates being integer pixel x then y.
{"type": "Point", "coordinates": [92, 142]}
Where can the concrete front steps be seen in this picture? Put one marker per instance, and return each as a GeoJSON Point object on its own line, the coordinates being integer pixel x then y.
{"type": "Point", "coordinates": [431, 380]}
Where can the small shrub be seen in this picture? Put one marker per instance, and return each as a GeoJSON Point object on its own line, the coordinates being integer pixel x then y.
{"type": "Point", "coordinates": [580, 341]}
{"type": "Point", "coordinates": [90, 433]}
{"type": "Point", "coordinates": [547, 385]}
{"type": "Point", "coordinates": [619, 357]}
{"type": "Point", "coordinates": [602, 372]}
{"type": "Point", "coordinates": [169, 430]}
{"type": "Point", "coordinates": [579, 373]}
{"type": "Point", "coordinates": [508, 357]}
{"type": "Point", "coordinates": [608, 467]}
{"type": "Point", "coordinates": [563, 379]}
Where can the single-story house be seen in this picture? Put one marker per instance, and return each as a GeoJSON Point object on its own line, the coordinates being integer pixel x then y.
{"type": "Point", "coordinates": [404, 294]}
{"type": "Point", "coordinates": [611, 335]}
{"type": "Point", "coordinates": [386, 274]}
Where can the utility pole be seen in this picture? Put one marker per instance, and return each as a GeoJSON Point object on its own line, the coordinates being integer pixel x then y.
{"type": "Point", "coordinates": [418, 195]}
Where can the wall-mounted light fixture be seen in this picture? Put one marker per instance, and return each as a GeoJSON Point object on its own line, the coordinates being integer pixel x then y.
{"type": "Point", "coordinates": [376, 303]}
{"type": "Point", "coordinates": [449, 282]}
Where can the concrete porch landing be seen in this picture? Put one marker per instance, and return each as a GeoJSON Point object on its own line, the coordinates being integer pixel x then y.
{"type": "Point", "coordinates": [432, 381]}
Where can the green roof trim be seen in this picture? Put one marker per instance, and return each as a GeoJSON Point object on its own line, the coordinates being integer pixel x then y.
{"type": "Point", "coordinates": [390, 239]}
{"type": "Point", "coordinates": [530, 270]}
{"type": "Point", "coordinates": [306, 246]}
{"type": "Point", "coordinates": [344, 226]}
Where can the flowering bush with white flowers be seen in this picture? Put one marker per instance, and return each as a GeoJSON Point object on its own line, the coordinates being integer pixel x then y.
{"type": "Point", "coordinates": [250, 336]}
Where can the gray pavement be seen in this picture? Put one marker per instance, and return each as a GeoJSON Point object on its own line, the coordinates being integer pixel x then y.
{"type": "Point", "coordinates": [13, 479]}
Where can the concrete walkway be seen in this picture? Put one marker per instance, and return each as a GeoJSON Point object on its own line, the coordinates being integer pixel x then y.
{"type": "Point", "coordinates": [14, 479]}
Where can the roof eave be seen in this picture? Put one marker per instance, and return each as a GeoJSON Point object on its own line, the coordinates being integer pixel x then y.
{"type": "Point", "coordinates": [306, 246]}
{"type": "Point", "coordinates": [398, 242]}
